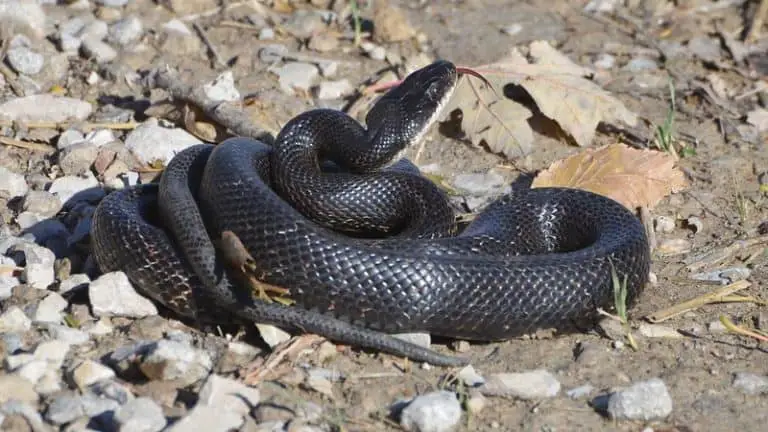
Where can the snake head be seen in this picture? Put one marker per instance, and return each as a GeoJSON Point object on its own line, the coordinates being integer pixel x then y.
{"type": "Point", "coordinates": [407, 111]}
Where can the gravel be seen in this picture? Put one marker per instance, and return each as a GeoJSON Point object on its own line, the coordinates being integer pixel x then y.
{"type": "Point", "coordinates": [112, 294]}
{"type": "Point", "coordinates": [432, 412]}
{"type": "Point", "coordinates": [646, 400]}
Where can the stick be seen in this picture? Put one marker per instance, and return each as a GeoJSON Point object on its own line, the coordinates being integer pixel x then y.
{"type": "Point", "coordinates": [26, 145]}
{"type": "Point", "coordinates": [204, 37]}
{"type": "Point", "coordinates": [713, 297]}
{"type": "Point", "coordinates": [227, 114]}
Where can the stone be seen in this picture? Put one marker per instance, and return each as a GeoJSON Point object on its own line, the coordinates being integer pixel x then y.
{"type": "Point", "coordinates": [222, 89]}
{"type": "Point", "coordinates": [126, 31]}
{"type": "Point", "coordinates": [170, 360]}
{"type": "Point", "coordinates": [77, 158]}
{"type": "Point", "coordinates": [98, 50]}
{"type": "Point", "coordinates": [26, 17]}
{"type": "Point", "coordinates": [73, 189]}
{"type": "Point", "coordinates": [38, 264]}
{"type": "Point", "coordinates": [296, 76]}
{"type": "Point", "coordinates": [16, 387]}
{"type": "Point", "coordinates": [14, 320]}
{"type": "Point", "coordinates": [140, 415]}
{"type": "Point", "coordinates": [112, 294]}
{"type": "Point", "coordinates": [645, 400]}
{"type": "Point", "coordinates": [68, 335]}
{"type": "Point", "coordinates": [209, 418]}
{"type": "Point", "coordinates": [25, 61]}
{"type": "Point", "coordinates": [12, 185]}
{"type": "Point", "coordinates": [750, 383]}
{"type": "Point", "coordinates": [334, 89]}
{"type": "Point", "coordinates": [90, 372]}
{"type": "Point", "coordinates": [75, 281]}
{"type": "Point", "coordinates": [272, 335]}
{"type": "Point", "coordinates": [49, 309]}
{"type": "Point", "coordinates": [45, 108]}
{"type": "Point", "coordinates": [41, 202]}
{"type": "Point", "coordinates": [151, 143]}
{"type": "Point", "coordinates": [536, 384]}
{"type": "Point", "coordinates": [228, 395]}
{"type": "Point", "coordinates": [433, 412]}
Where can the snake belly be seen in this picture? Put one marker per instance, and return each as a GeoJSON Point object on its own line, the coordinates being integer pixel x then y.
{"type": "Point", "coordinates": [537, 258]}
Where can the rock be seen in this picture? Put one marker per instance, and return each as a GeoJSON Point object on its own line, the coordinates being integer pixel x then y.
{"type": "Point", "coordinates": [77, 158]}
{"type": "Point", "coordinates": [53, 352]}
{"type": "Point", "coordinates": [90, 372]}
{"type": "Point", "coordinates": [100, 328]}
{"type": "Point", "coordinates": [43, 203]}
{"type": "Point", "coordinates": [75, 281]}
{"type": "Point", "coordinates": [267, 33]}
{"type": "Point", "coordinates": [470, 377]}
{"type": "Point", "coordinates": [112, 390]}
{"type": "Point", "coordinates": [705, 48]}
{"type": "Point", "coordinates": [97, 50]}
{"type": "Point", "coordinates": [50, 308]}
{"type": "Point", "coordinates": [580, 391]}
{"type": "Point", "coordinates": [222, 89]}
{"type": "Point", "coordinates": [27, 17]}
{"type": "Point", "coordinates": [14, 320]}
{"type": "Point", "coordinates": [658, 331]}
{"type": "Point", "coordinates": [639, 64]}
{"type": "Point", "coordinates": [25, 61]}
{"type": "Point", "coordinates": [420, 339]}
{"type": "Point", "coordinates": [72, 189]}
{"type": "Point", "coordinates": [140, 415]}
{"type": "Point", "coordinates": [272, 335]}
{"type": "Point", "coordinates": [12, 185]}
{"type": "Point", "coordinates": [7, 284]}
{"type": "Point", "coordinates": [479, 183]}
{"type": "Point", "coordinates": [126, 31]}
{"type": "Point", "coordinates": [38, 264]}
{"type": "Point", "coordinates": [169, 360]}
{"type": "Point", "coordinates": [228, 395]}
{"type": "Point", "coordinates": [433, 412]}
{"type": "Point", "coordinates": [25, 410]}
{"type": "Point", "coordinates": [334, 89]}
{"type": "Point", "coordinates": [64, 409]}
{"type": "Point", "coordinates": [323, 42]}
{"type": "Point", "coordinates": [208, 418]}
{"type": "Point", "coordinates": [69, 335]}
{"type": "Point", "coordinates": [673, 246]}
{"type": "Point", "coordinates": [296, 75]}
{"type": "Point", "coordinates": [536, 384]}
{"type": "Point", "coordinates": [749, 383]}
{"type": "Point", "coordinates": [113, 3]}
{"type": "Point", "coordinates": [646, 401]}
{"type": "Point", "coordinates": [391, 24]}
{"type": "Point", "coordinates": [605, 61]}
{"type": "Point", "coordinates": [112, 294]}
{"type": "Point", "coordinates": [45, 108]}
{"type": "Point", "coordinates": [376, 52]}
{"type": "Point", "coordinates": [151, 142]}
{"type": "Point", "coordinates": [476, 402]}
{"type": "Point", "coordinates": [16, 387]}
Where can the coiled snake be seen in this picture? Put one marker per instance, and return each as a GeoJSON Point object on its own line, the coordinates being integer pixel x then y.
{"type": "Point", "coordinates": [538, 258]}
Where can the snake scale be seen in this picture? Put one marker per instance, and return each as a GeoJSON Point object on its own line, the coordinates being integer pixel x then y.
{"type": "Point", "coordinates": [367, 247]}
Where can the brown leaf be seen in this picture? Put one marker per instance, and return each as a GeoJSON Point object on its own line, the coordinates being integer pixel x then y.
{"type": "Point", "coordinates": [630, 176]}
{"type": "Point", "coordinates": [557, 86]}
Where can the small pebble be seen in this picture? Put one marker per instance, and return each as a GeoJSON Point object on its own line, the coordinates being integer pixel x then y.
{"type": "Point", "coordinates": [222, 89]}
{"type": "Point", "coordinates": [90, 372]}
{"type": "Point", "coordinates": [169, 360]}
{"type": "Point", "coordinates": [112, 294]}
{"type": "Point", "coordinates": [536, 384]}
{"type": "Point", "coordinates": [151, 143]}
{"type": "Point", "coordinates": [69, 335]}
{"type": "Point", "coordinates": [272, 335]}
{"type": "Point", "coordinates": [49, 309]}
{"type": "Point", "coordinates": [228, 395]}
{"type": "Point", "coordinates": [25, 61]}
{"type": "Point", "coordinates": [665, 224]}
{"type": "Point", "coordinates": [334, 89]}
{"type": "Point", "coordinates": [296, 76]}
{"type": "Point", "coordinates": [12, 185]}
{"type": "Point", "coordinates": [580, 391]}
{"type": "Point", "coordinates": [38, 265]}
{"type": "Point", "coordinates": [750, 383]}
{"type": "Point", "coordinates": [140, 415]}
{"type": "Point", "coordinates": [45, 108]}
{"type": "Point", "coordinates": [212, 419]}
{"type": "Point", "coordinates": [71, 189]}
{"type": "Point", "coordinates": [126, 31]}
{"type": "Point", "coordinates": [658, 331]}
{"type": "Point", "coordinates": [97, 50]}
{"type": "Point", "coordinates": [646, 400]}
{"type": "Point", "coordinates": [433, 412]}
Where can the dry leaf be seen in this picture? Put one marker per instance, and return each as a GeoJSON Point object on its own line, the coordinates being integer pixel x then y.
{"type": "Point", "coordinates": [630, 176]}
{"type": "Point", "coordinates": [557, 86]}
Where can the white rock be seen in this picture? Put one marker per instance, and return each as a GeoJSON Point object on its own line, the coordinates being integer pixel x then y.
{"type": "Point", "coordinates": [30, 414]}
{"type": "Point", "coordinates": [38, 268]}
{"type": "Point", "coordinates": [334, 89]}
{"type": "Point", "coordinates": [208, 418]}
{"type": "Point", "coordinates": [536, 384]}
{"type": "Point", "coordinates": [45, 108]}
{"type": "Point", "coordinates": [97, 50]}
{"type": "Point", "coordinates": [7, 283]}
{"type": "Point", "coordinates": [470, 377]}
{"type": "Point", "coordinates": [49, 309]}
{"type": "Point", "coordinates": [112, 294]}
{"type": "Point", "coordinates": [15, 361]}
{"type": "Point", "coordinates": [434, 412]}
{"type": "Point", "coordinates": [12, 184]}
{"type": "Point", "coordinates": [68, 138]}
{"type": "Point", "coordinates": [272, 335]}
{"type": "Point", "coordinates": [23, 16]}
{"type": "Point", "coordinates": [750, 383]}
{"type": "Point", "coordinates": [228, 395]}
{"type": "Point", "coordinates": [42, 203]}
{"type": "Point", "coordinates": [76, 189]}
{"type": "Point", "coordinates": [151, 142]}
{"type": "Point", "coordinates": [646, 400]}
{"type": "Point", "coordinates": [126, 31]}
{"type": "Point", "coordinates": [16, 387]}
{"type": "Point", "coordinates": [222, 89]}
{"type": "Point", "coordinates": [77, 158]}
{"type": "Point", "coordinates": [68, 335]}
{"type": "Point", "coordinates": [95, 30]}
{"type": "Point", "coordinates": [76, 280]}
{"type": "Point", "coordinates": [170, 360]}
{"type": "Point", "coordinates": [25, 61]}
{"type": "Point", "coordinates": [14, 320]}
{"type": "Point", "coordinates": [90, 372]}
{"type": "Point", "coordinates": [34, 370]}
{"type": "Point", "coordinates": [140, 415]}
{"type": "Point", "coordinates": [53, 352]}
{"type": "Point", "coordinates": [297, 75]}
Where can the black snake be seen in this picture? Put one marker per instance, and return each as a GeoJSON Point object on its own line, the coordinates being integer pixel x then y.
{"type": "Point", "coordinates": [537, 258]}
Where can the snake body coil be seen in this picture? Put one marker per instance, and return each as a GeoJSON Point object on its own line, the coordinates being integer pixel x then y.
{"type": "Point", "coordinates": [538, 258]}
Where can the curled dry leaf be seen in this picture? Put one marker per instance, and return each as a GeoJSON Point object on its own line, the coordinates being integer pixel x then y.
{"type": "Point", "coordinates": [558, 88]}
{"type": "Point", "coordinates": [630, 176]}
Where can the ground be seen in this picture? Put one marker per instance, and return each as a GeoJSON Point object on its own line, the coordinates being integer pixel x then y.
{"type": "Point", "coordinates": [726, 168]}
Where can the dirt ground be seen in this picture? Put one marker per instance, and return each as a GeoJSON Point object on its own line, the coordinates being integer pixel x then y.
{"type": "Point", "coordinates": [723, 169]}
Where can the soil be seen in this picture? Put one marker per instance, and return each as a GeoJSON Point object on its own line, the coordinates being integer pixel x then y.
{"type": "Point", "coordinates": [725, 195]}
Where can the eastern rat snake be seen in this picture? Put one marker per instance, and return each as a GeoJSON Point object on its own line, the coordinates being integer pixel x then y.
{"type": "Point", "coordinates": [537, 258]}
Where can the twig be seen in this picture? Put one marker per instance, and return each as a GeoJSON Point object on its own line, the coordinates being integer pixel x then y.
{"type": "Point", "coordinates": [731, 327]}
{"type": "Point", "coordinates": [757, 21]}
{"type": "Point", "coordinates": [713, 297]}
{"type": "Point", "coordinates": [645, 216]}
{"type": "Point", "coordinates": [84, 127]}
{"type": "Point", "coordinates": [714, 257]}
{"type": "Point", "coordinates": [226, 114]}
{"type": "Point", "coordinates": [286, 348]}
{"type": "Point", "coordinates": [211, 47]}
{"type": "Point", "coordinates": [26, 145]}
